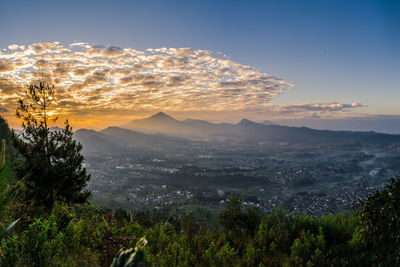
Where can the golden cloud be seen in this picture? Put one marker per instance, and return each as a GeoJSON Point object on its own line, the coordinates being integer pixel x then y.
{"type": "Point", "coordinates": [160, 79]}
{"type": "Point", "coordinates": [110, 80]}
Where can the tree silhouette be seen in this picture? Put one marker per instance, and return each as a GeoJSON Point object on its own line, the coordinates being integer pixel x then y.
{"type": "Point", "coordinates": [51, 155]}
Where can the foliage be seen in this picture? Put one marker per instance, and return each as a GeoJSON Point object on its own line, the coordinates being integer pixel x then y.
{"type": "Point", "coordinates": [132, 257]}
{"type": "Point", "coordinates": [52, 156]}
{"type": "Point", "coordinates": [7, 191]}
{"type": "Point", "coordinates": [8, 153]}
{"type": "Point", "coordinates": [8, 229]}
{"type": "Point", "coordinates": [4, 130]}
{"type": "Point", "coordinates": [237, 217]}
{"type": "Point", "coordinates": [3, 153]}
{"type": "Point", "coordinates": [42, 242]}
{"type": "Point", "coordinates": [85, 235]}
{"type": "Point", "coordinates": [40, 245]}
{"type": "Point", "coordinates": [380, 227]}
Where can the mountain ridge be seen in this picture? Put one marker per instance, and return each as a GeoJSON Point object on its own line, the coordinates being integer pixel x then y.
{"type": "Point", "coordinates": [166, 127]}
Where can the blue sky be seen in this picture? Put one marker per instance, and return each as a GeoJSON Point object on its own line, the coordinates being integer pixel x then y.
{"type": "Point", "coordinates": [333, 51]}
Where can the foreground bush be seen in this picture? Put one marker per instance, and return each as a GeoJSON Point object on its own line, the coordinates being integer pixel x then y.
{"type": "Point", "coordinates": [85, 235]}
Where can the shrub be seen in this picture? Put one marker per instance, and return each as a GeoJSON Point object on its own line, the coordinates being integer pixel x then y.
{"type": "Point", "coordinates": [42, 242]}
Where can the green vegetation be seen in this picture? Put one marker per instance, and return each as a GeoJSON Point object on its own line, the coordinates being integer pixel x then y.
{"type": "Point", "coordinates": [131, 257]}
{"type": "Point", "coordinates": [57, 227]}
{"type": "Point", "coordinates": [7, 191]}
{"type": "Point", "coordinates": [86, 235]}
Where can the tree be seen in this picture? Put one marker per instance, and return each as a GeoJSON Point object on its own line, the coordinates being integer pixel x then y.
{"type": "Point", "coordinates": [239, 222]}
{"type": "Point", "coordinates": [237, 216]}
{"type": "Point", "coordinates": [6, 135]}
{"type": "Point", "coordinates": [380, 225]}
{"type": "Point", "coordinates": [52, 156]}
{"type": "Point", "coordinates": [4, 129]}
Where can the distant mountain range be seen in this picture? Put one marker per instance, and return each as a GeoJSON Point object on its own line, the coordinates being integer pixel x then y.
{"type": "Point", "coordinates": [162, 131]}
{"type": "Point", "coordinates": [162, 123]}
{"type": "Point", "coordinates": [165, 124]}
{"type": "Point", "coordinates": [380, 123]}
{"type": "Point", "coordinates": [124, 140]}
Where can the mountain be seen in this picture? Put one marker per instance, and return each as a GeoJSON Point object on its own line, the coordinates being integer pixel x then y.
{"type": "Point", "coordinates": [381, 123]}
{"type": "Point", "coordinates": [96, 142]}
{"type": "Point", "coordinates": [117, 140]}
{"type": "Point", "coordinates": [158, 123]}
{"type": "Point", "coordinates": [164, 124]}
{"type": "Point", "coordinates": [161, 116]}
{"type": "Point", "coordinates": [250, 131]}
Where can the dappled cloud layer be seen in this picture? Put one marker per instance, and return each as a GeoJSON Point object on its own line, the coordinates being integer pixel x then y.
{"type": "Point", "coordinates": [110, 81]}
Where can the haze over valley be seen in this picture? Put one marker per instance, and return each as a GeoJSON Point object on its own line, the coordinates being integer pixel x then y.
{"type": "Point", "coordinates": [160, 160]}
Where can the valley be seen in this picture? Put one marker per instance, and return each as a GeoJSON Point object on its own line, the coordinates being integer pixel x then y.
{"type": "Point", "coordinates": [322, 175]}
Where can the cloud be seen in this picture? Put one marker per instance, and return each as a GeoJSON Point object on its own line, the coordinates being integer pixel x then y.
{"type": "Point", "coordinates": [93, 77]}
{"type": "Point", "coordinates": [80, 44]}
{"type": "Point", "coordinates": [3, 110]}
{"type": "Point", "coordinates": [6, 66]}
{"type": "Point", "coordinates": [318, 108]}
{"type": "Point", "coordinates": [109, 81]}
{"type": "Point", "coordinates": [15, 47]}
{"type": "Point", "coordinates": [42, 48]}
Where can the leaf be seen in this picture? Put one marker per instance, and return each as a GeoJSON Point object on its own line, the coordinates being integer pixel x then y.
{"type": "Point", "coordinates": [131, 257]}
{"type": "Point", "coordinates": [8, 229]}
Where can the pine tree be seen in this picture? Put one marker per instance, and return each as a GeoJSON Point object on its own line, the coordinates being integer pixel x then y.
{"type": "Point", "coordinates": [52, 156]}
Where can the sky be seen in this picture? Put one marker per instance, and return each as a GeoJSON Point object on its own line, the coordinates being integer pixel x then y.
{"type": "Point", "coordinates": [300, 62]}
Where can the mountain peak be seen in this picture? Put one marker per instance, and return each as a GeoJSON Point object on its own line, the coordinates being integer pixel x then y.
{"type": "Point", "coordinates": [245, 122]}
{"type": "Point", "coordinates": [161, 115]}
